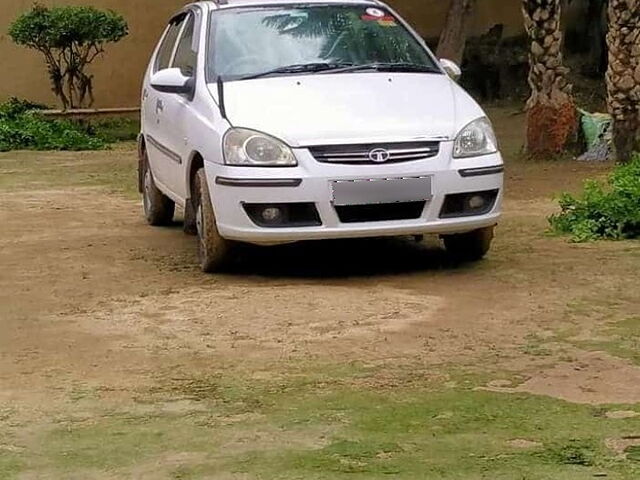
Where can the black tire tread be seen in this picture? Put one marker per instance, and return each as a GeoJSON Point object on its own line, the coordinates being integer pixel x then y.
{"type": "Point", "coordinates": [471, 246]}
{"type": "Point", "coordinates": [159, 210]}
{"type": "Point", "coordinates": [214, 251]}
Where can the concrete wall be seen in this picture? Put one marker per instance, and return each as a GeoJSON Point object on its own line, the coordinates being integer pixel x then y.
{"type": "Point", "coordinates": [118, 74]}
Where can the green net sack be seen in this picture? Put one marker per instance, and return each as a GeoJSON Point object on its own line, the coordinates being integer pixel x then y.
{"type": "Point", "coordinates": [596, 129]}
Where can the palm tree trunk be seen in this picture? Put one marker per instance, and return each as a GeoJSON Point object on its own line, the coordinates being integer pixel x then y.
{"type": "Point", "coordinates": [454, 34]}
{"type": "Point", "coordinates": [551, 112]}
{"type": "Point", "coordinates": [623, 75]}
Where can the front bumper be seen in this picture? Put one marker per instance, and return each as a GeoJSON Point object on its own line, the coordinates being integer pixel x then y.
{"type": "Point", "coordinates": [309, 182]}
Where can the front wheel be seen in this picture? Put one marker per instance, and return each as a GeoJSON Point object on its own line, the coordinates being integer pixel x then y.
{"type": "Point", "coordinates": [471, 246]}
{"type": "Point", "coordinates": [214, 251]}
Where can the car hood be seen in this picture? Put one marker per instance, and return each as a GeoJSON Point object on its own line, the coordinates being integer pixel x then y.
{"type": "Point", "coordinates": [350, 108]}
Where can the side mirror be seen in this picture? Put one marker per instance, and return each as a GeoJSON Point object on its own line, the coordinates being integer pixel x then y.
{"type": "Point", "coordinates": [171, 80]}
{"type": "Point", "coordinates": [452, 68]}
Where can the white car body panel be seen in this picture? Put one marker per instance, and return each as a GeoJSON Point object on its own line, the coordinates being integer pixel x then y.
{"type": "Point", "coordinates": [331, 109]}
{"type": "Point", "coordinates": [315, 110]}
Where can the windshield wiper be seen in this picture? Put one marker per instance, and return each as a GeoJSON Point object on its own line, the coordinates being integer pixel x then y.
{"type": "Point", "coordinates": [389, 67]}
{"type": "Point", "coordinates": [300, 68]}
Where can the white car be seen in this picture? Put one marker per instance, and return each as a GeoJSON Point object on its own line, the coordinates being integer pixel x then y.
{"type": "Point", "coordinates": [275, 121]}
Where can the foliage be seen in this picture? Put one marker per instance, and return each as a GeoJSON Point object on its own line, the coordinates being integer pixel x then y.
{"type": "Point", "coordinates": [70, 38]}
{"type": "Point", "coordinates": [23, 127]}
{"type": "Point", "coordinates": [116, 129]}
{"type": "Point", "coordinates": [609, 211]}
{"type": "Point", "coordinates": [573, 452]}
{"type": "Point", "coordinates": [15, 107]}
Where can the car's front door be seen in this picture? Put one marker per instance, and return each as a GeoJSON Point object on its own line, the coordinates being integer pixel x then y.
{"type": "Point", "coordinates": [174, 117]}
{"type": "Point", "coordinates": [165, 162]}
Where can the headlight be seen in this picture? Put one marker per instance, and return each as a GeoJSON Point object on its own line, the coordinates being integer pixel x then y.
{"type": "Point", "coordinates": [475, 139]}
{"type": "Point", "coordinates": [254, 149]}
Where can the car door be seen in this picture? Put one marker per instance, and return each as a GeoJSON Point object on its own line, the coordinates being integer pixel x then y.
{"type": "Point", "coordinates": [177, 109]}
{"type": "Point", "coordinates": [164, 161]}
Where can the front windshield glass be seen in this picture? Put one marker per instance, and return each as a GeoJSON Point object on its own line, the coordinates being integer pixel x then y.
{"type": "Point", "coordinates": [246, 42]}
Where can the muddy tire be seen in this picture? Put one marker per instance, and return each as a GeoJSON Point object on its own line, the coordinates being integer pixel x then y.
{"type": "Point", "coordinates": [214, 252]}
{"type": "Point", "coordinates": [471, 246]}
{"type": "Point", "coordinates": [158, 208]}
{"type": "Point", "coordinates": [189, 226]}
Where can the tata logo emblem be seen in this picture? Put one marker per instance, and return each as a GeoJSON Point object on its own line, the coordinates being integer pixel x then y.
{"type": "Point", "coordinates": [379, 155]}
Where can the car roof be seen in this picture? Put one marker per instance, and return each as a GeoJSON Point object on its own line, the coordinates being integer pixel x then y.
{"type": "Point", "coordinates": [215, 4]}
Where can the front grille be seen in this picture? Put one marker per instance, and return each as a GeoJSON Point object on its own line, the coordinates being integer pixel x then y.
{"type": "Point", "coordinates": [360, 154]}
{"type": "Point", "coordinates": [383, 212]}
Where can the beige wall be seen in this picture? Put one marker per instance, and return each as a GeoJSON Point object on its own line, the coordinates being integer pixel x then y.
{"type": "Point", "coordinates": [118, 74]}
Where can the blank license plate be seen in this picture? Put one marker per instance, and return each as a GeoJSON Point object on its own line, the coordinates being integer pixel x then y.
{"type": "Point", "coordinates": [381, 190]}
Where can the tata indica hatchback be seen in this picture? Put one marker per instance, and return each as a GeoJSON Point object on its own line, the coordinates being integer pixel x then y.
{"type": "Point", "coordinates": [271, 122]}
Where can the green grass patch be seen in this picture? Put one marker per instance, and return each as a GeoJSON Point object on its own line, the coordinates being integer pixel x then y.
{"type": "Point", "coordinates": [10, 465]}
{"type": "Point", "coordinates": [121, 441]}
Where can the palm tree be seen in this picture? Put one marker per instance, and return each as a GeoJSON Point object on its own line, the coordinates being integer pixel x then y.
{"type": "Point", "coordinates": [623, 75]}
{"type": "Point", "coordinates": [551, 111]}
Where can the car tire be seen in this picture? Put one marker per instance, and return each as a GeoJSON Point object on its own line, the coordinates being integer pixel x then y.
{"type": "Point", "coordinates": [158, 208]}
{"type": "Point", "coordinates": [214, 252]}
{"type": "Point", "coordinates": [471, 246]}
{"type": "Point", "coordinates": [190, 227]}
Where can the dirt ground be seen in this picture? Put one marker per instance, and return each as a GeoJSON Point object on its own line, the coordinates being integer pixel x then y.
{"type": "Point", "coordinates": [96, 305]}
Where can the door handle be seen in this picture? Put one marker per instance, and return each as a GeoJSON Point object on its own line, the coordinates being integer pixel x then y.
{"type": "Point", "coordinates": [159, 106]}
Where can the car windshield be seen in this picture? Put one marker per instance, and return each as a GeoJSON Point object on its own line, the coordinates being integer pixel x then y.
{"type": "Point", "coordinates": [257, 42]}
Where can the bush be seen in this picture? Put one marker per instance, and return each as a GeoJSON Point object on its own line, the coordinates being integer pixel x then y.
{"type": "Point", "coordinates": [603, 211]}
{"type": "Point", "coordinates": [70, 38]}
{"type": "Point", "coordinates": [23, 127]}
{"type": "Point", "coordinates": [15, 107]}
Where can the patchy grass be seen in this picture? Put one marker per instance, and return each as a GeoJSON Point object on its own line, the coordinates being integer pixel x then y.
{"type": "Point", "coordinates": [621, 339]}
{"type": "Point", "coordinates": [536, 346]}
{"type": "Point", "coordinates": [116, 130]}
{"type": "Point", "coordinates": [304, 427]}
{"type": "Point", "coordinates": [113, 170]}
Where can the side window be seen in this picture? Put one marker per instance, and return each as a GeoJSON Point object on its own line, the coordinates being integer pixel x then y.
{"type": "Point", "coordinates": [185, 58]}
{"type": "Point", "coordinates": [165, 52]}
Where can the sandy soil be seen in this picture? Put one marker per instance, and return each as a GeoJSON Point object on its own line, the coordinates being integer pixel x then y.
{"type": "Point", "coordinates": [91, 297]}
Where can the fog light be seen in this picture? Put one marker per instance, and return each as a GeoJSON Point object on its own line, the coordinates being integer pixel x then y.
{"type": "Point", "coordinates": [283, 215]}
{"type": "Point", "coordinates": [271, 214]}
{"type": "Point", "coordinates": [468, 204]}
{"type": "Point", "coordinates": [477, 202]}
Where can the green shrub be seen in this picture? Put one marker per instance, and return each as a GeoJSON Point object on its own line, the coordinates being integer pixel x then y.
{"type": "Point", "coordinates": [15, 107]}
{"type": "Point", "coordinates": [603, 211]}
{"type": "Point", "coordinates": [70, 38]}
{"type": "Point", "coordinates": [23, 127]}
